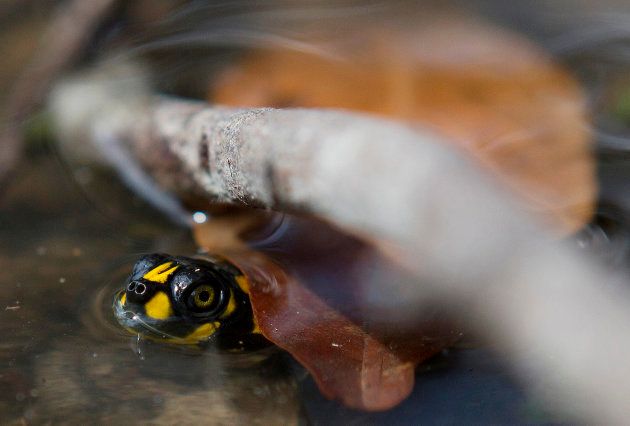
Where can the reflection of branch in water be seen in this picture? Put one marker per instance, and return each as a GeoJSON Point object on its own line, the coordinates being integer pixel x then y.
{"type": "Point", "coordinates": [436, 214]}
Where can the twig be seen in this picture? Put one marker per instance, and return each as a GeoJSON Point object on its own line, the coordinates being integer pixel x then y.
{"type": "Point", "coordinates": [436, 214]}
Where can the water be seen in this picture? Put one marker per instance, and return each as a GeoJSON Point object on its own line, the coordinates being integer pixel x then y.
{"type": "Point", "coordinates": [63, 359]}
{"type": "Point", "coordinates": [69, 237]}
{"type": "Point", "coordinates": [62, 356]}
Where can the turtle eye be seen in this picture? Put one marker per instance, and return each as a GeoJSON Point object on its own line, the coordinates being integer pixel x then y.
{"type": "Point", "coordinates": [203, 300]}
{"type": "Point", "coordinates": [203, 296]}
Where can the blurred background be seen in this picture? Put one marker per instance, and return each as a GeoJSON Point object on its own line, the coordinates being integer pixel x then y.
{"type": "Point", "coordinates": [536, 92]}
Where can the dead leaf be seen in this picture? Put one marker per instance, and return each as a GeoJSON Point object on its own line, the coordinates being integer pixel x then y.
{"type": "Point", "coordinates": [493, 93]}
{"type": "Point", "coordinates": [362, 369]}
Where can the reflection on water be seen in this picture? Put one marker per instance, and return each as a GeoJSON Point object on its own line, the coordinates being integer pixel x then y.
{"type": "Point", "coordinates": [63, 358]}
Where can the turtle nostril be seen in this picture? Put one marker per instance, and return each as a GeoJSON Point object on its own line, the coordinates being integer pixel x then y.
{"type": "Point", "coordinates": [131, 286]}
{"type": "Point", "coordinates": [141, 288]}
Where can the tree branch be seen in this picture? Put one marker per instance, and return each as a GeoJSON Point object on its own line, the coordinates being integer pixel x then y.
{"type": "Point", "coordinates": [443, 219]}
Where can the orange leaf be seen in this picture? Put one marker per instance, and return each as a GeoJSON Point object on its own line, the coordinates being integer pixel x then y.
{"type": "Point", "coordinates": [493, 93]}
{"type": "Point", "coordinates": [360, 368]}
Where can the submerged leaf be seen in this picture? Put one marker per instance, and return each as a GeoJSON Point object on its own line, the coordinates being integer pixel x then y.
{"type": "Point", "coordinates": [364, 369]}
{"type": "Point", "coordinates": [333, 302]}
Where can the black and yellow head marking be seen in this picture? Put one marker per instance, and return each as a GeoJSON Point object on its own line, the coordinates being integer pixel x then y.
{"type": "Point", "coordinates": [189, 301]}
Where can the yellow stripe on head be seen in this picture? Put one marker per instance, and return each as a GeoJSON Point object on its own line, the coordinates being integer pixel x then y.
{"type": "Point", "coordinates": [231, 307]}
{"type": "Point", "coordinates": [159, 307]}
{"type": "Point", "coordinates": [160, 273]}
{"type": "Point", "coordinates": [256, 329]}
{"type": "Point", "coordinates": [243, 283]}
{"type": "Point", "coordinates": [203, 331]}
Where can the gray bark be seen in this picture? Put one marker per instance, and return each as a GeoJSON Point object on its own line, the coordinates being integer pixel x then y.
{"type": "Point", "coordinates": [461, 235]}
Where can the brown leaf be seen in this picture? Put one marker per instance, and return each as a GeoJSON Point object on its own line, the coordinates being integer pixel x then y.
{"type": "Point", "coordinates": [225, 229]}
{"type": "Point", "coordinates": [333, 303]}
{"type": "Point", "coordinates": [362, 369]}
{"type": "Point", "coordinates": [491, 92]}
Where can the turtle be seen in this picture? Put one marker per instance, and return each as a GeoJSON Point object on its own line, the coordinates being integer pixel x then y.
{"type": "Point", "coordinates": [189, 301]}
{"type": "Point", "coordinates": [246, 301]}
{"type": "Point", "coordinates": [356, 351]}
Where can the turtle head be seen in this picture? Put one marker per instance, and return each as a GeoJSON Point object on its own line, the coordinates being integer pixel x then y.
{"type": "Point", "coordinates": [182, 300]}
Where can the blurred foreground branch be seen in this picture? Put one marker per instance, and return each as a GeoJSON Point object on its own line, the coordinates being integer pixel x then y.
{"type": "Point", "coordinates": [441, 218]}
